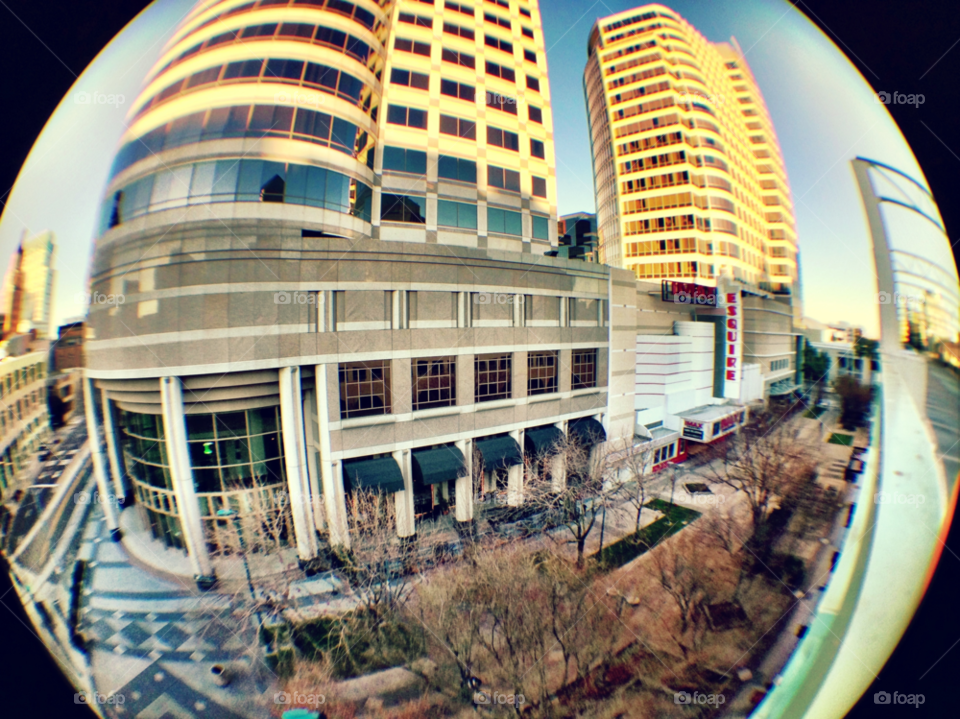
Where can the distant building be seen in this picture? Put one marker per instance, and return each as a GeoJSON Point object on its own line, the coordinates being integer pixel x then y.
{"type": "Point", "coordinates": [24, 417]}
{"type": "Point", "coordinates": [689, 177]}
{"type": "Point", "coordinates": [28, 287]}
{"type": "Point", "coordinates": [576, 237]}
{"type": "Point", "coordinates": [837, 341]}
{"type": "Point", "coordinates": [68, 350]}
{"type": "Point", "coordinates": [65, 388]}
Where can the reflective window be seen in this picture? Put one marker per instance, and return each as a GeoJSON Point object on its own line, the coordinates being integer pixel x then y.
{"type": "Point", "coordinates": [456, 214]}
{"type": "Point", "coordinates": [536, 148]}
{"type": "Point", "coordinates": [238, 181]}
{"type": "Point", "coordinates": [541, 227]}
{"type": "Point", "coordinates": [250, 121]}
{"type": "Point", "coordinates": [502, 178]}
{"type": "Point", "coordinates": [539, 187]}
{"type": "Point", "coordinates": [403, 208]}
{"type": "Point", "coordinates": [504, 222]}
{"type": "Point", "coordinates": [399, 159]}
{"type": "Point", "coordinates": [457, 168]}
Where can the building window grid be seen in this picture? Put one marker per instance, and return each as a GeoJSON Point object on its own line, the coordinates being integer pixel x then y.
{"type": "Point", "coordinates": [492, 375]}
{"type": "Point", "coordinates": [542, 372]}
{"type": "Point", "coordinates": [434, 382]}
{"type": "Point", "coordinates": [584, 369]}
{"type": "Point", "coordinates": [364, 388]}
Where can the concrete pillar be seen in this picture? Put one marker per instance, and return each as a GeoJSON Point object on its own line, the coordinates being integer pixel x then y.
{"type": "Point", "coordinates": [406, 521]}
{"type": "Point", "coordinates": [175, 433]}
{"type": "Point", "coordinates": [558, 465]}
{"type": "Point", "coordinates": [464, 485]}
{"type": "Point", "coordinates": [331, 478]}
{"type": "Point", "coordinates": [99, 465]}
{"type": "Point", "coordinates": [311, 435]}
{"type": "Point", "coordinates": [116, 468]}
{"type": "Point", "coordinates": [295, 461]}
{"type": "Point", "coordinates": [515, 476]}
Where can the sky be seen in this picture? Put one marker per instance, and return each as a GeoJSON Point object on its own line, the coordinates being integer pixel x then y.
{"type": "Point", "coordinates": [823, 111]}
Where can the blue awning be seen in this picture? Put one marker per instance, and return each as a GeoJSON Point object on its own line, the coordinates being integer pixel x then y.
{"type": "Point", "coordinates": [588, 431]}
{"type": "Point", "coordinates": [499, 452]}
{"type": "Point", "coordinates": [438, 464]}
{"type": "Point", "coordinates": [381, 474]}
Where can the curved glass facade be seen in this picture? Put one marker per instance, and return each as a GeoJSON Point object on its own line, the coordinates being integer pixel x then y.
{"type": "Point", "coordinates": [313, 75]}
{"type": "Point", "coordinates": [203, 183]}
{"type": "Point", "coordinates": [146, 463]}
{"type": "Point", "coordinates": [250, 121]}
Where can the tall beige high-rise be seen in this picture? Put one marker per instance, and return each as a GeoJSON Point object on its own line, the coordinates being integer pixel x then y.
{"type": "Point", "coordinates": [689, 178]}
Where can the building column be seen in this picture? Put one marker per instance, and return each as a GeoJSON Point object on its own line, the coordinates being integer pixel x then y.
{"type": "Point", "coordinates": [188, 510]}
{"type": "Point", "coordinates": [558, 465]}
{"type": "Point", "coordinates": [406, 520]}
{"type": "Point", "coordinates": [515, 475]}
{"type": "Point", "coordinates": [116, 468]}
{"type": "Point", "coordinates": [295, 461]}
{"type": "Point", "coordinates": [311, 434]}
{"type": "Point", "coordinates": [331, 478]}
{"type": "Point", "coordinates": [464, 485]}
{"type": "Point", "coordinates": [99, 469]}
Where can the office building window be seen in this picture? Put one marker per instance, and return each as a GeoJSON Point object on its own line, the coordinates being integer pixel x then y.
{"type": "Point", "coordinates": [496, 20]}
{"type": "Point", "coordinates": [459, 7]}
{"type": "Point", "coordinates": [457, 168]}
{"type": "Point", "coordinates": [458, 58]}
{"type": "Point", "coordinates": [464, 32]}
{"type": "Point", "coordinates": [530, 56]}
{"type": "Point", "coordinates": [541, 227]}
{"type": "Point", "coordinates": [417, 48]}
{"type": "Point", "coordinates": [498, 44]}
{"type": "Point", "coordinates": [539, 187]}
{"type": "Point", "coordinates": [500, 71]}
{"type": "Point", "coordinates": [526, 31]}
{"type": "Point", "coordinates": [403, 208]}
{"type": "Point", "coordinates": [502, 178]}
{"type": "Point", "coordinates": [584, 374]}
{"type": "Point", "coordinates": [450, 125]}
{"type": "Point", "coordinates": [542, 372]}
{"type": "Point", "coordinates": [503, 103]}
{"type": "Point", "coordinates": [409, 116]}
{"type": "Point", "coordinates": [417, 20]}
{"type": "Point", "coordinates": [399, 159]}
{"type": "Point", "coordinates": [533, 83]}
{"type": "Point", "coordinates": [492, 378]}
{"type": "Point", "coordinates": [408, 78]}
{"type": "Point", "coordinates": [503, 138]}
{"type": "Point", "coordinates": [536, 149]}
{"type": "Point", "coordinates": [456, 214]}
{"type": "Point", "coordinates": [460, 90]}
{"type": "Point", "coordinates": [504, 222]}
{"type": "Point", "coordinates": [364, 388]}
{"type": "Point", "coordinates": [434, 382]}
{"type": "Point", "coordinates": [535, 114]}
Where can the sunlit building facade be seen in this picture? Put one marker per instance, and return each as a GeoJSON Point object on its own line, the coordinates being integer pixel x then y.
{"type": "Point", "coordinates": [689, 178]}
{"type": "Point", "coordinates": [327, 222]}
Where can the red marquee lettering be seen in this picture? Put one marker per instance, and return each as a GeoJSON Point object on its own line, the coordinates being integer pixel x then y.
{"type": "Point", "coordinates": [732, 374]}
{"type": "Point", "coordinates": [731, 324]}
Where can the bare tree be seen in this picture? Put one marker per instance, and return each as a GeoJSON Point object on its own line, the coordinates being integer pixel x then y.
{"type": "Point", "coordinates": [582, 500]}
{"type": "Point", "coordinates": [763, 461]}
{"type": "Point", "coordinates": [692, 585]}
{"type": "Point", "coordinates": [637, 462]}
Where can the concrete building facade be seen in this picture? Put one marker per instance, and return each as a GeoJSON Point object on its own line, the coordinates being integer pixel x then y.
{"type": "Point", "coordinates": [24, 419]}
{"type": "Point", "coordinates": [331, 258]}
